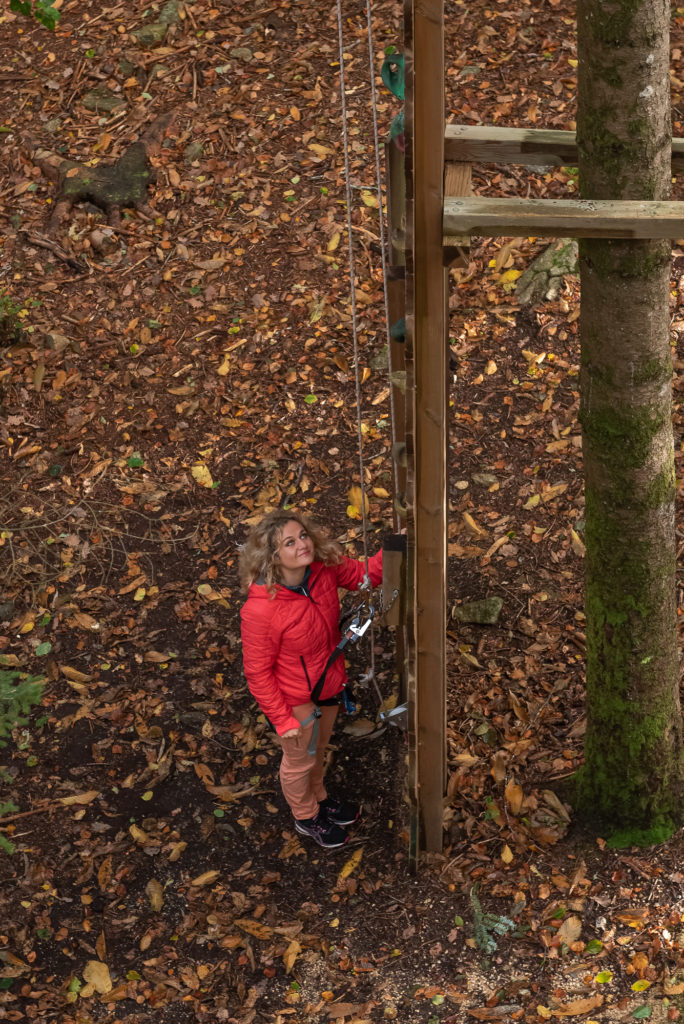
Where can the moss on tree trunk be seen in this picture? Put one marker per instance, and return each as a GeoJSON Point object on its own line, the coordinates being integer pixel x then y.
{"type": "Point", "coordinates": [632, 782]}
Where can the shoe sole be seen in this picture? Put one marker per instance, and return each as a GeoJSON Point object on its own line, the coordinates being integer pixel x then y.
{"type": "Point", "coordinates": [349, 821]}
{"type": "Point", "coordinates": [326, 846]}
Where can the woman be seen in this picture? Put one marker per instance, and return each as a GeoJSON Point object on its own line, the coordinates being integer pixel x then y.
{"type": "Point", "coordinates": [290, 627]}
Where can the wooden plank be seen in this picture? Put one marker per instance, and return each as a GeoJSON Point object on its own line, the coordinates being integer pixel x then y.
{"type": "Point", "coordinates": [458, 181]}
{"type": "Point", "coordinates": [396, 305]}
{"type": "Point", "coordinates": [539, 147]}
{"type": "Point", "coordinates": [396, 203]}
{"type": "Point", "coordinates": [561, 218]}
{"type": "Point", "coordinates": [394, 579]}
{"type": "Point", "coordinates": [427, 321]}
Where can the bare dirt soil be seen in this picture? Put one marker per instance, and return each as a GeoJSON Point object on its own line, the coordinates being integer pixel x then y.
{"type": "Point", "coordinates": [162, 383]}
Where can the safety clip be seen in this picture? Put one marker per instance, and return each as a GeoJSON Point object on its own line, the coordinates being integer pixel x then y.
{"type": "Point", "coordinates": [358, 628]}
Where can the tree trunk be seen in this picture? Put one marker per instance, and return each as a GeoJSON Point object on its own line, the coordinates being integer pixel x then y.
{"type": "Point", "coordinates": [631, 783]}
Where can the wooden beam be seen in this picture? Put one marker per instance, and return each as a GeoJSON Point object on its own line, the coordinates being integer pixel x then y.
{"type": "Point", "coordinates": [561, 218]}
{"type": "Point", "coordinates": [396, 203]}
{"type": "Point", "coordinates": [394, 579]}
{"type": "Point", "coordinates": [481, 144]}
{"type": "Point", "coordinates": [427, 348]}
{"type": "Point", "coordinates": [458, 181]}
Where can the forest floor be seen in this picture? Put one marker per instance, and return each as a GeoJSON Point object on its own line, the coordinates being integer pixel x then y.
{"type": "Point", "coordinates": [163, 384]}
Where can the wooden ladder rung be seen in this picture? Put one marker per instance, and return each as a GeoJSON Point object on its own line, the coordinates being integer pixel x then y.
{"type": "Point", "coordinates": [486, 144]}
{"type": "Point", "coordinates": [561, 218]}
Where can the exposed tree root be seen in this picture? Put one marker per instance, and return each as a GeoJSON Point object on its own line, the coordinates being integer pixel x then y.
{"type": "Point", "coordinates": [111, 187]}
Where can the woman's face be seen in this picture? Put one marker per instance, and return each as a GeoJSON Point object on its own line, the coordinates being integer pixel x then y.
{"type": "Point", "coordinates": [295, 551]}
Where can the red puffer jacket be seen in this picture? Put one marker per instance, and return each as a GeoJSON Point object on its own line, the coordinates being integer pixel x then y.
{"type": "Point", "coordinates": [288, 637]}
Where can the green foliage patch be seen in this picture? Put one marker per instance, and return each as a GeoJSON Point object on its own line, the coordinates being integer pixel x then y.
{"type": "Point", "coordinates": [41, 10]}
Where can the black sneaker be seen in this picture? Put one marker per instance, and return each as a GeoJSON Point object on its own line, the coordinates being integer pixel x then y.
{"type": "Point", "coordinates": [340, 812]}
{"type": "Point", "coordinates": [323, 831]}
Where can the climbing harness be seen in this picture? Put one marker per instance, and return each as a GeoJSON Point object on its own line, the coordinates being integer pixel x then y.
{"type": "Point", "coordinates": [352, 634]}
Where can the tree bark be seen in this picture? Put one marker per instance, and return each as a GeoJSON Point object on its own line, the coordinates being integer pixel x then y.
{"type": "Point", "coordinates": [631, 783]}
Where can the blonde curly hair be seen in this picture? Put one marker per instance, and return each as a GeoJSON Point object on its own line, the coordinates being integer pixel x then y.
{"type": "Point", "coordinates": [256, 556]}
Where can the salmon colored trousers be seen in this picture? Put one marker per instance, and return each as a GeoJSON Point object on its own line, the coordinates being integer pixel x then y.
{"type": "Point", "coordinates": [301, 773]}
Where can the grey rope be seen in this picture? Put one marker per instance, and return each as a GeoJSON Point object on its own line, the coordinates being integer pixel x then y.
{"type": "Point", "coordinates": [352, 275]}
{"type": "Point", "coordinates": [383, 243]}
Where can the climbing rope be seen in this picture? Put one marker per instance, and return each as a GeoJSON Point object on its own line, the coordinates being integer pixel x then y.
{"type": "Point", "coordinates": [370, 676]}
{"type": "Point", "coordinates": [383, 243]}
{"type": "Point", "coordinates": [352, 277]}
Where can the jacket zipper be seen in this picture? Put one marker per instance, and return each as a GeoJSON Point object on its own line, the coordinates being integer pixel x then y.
{"type": "Point", "coordinates": [301, 658]}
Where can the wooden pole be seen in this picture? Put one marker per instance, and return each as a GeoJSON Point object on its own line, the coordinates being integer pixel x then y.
{"type": "Point", "coordinates": [396, 305]}
{"type": "Point", "coordinates": [427, 324]}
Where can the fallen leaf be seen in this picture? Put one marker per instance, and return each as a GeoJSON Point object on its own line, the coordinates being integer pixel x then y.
{"type": "Point", "coordinates": [552, 492]}
{"type": "Point", "coordinates": [514, 796]}
{"type": "Point", "coordinates": [319, 150]}
{"type": "Point", "coordinates": [141, 837]}
{"type": "Point", "coordinates": [74, 675]}
{"type": "Point", "coordinates": [80, 798]}
{"type": "Point", "coordinates": [635, 918]}
{"type": "Point", "coordinates": [176, 850]}
{"type": "Point", "coordinates": [205, 879]}
{"type": "Point", "coordinates": [156, 657]}
{"type": "Point", "coordinates": [533, 357]}
{"type": "Point", "coordinates": [343, 1010]}
{"type": "Point", "coordinates": [570, 930]}
{"type": "Point", "coordinates": [495, 546]}
{"type": "Point", "coordinates": [466, 759]}
{"type": "Point", "coordinates": [97, 975]}
{"type": "Point", "coordinates": [104, 873]}
{"type": "Point", "coordinates": [156, 894]}
{"type": "Point", "coordinates": [228, 795]}
{"type": "Point", "coordinates": [202, 475]}
{"type": "Point", "coordinates": [578, 1006]}
{"type": "Point", "coordinates": [351, 864]}
{"type": "Point", "coordinates": [472, 526]}
{"type": "Point", "coordinates": [291, 954]}
{"type": "Point", "coordinates": [356, 497]}
{"type": "Point", "coordinates": [470, 659]}
{"type": "Point", "coordinates": [360, 727]}
{"type": "Point", "coordinates": [255, 928]}
{"type": "Point", "coordinates": [215, 264]}
{"type": "Point", "coordinates": [552, 800]}
{"type": "Point", "coordinates": [84, 621]}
